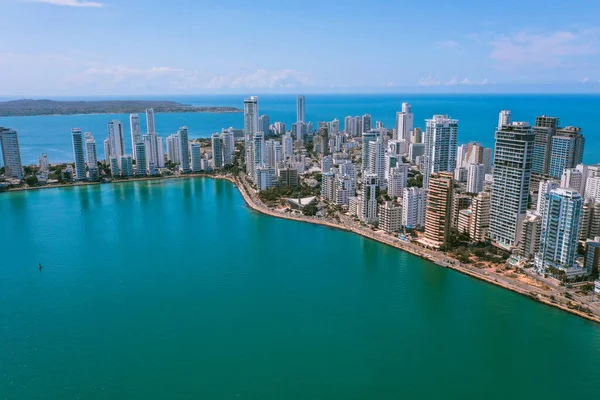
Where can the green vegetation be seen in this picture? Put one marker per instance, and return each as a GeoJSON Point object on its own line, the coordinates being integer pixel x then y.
{"type": "Point", "coordinates": [31, 180]}
{"type": "Point", "coordinates": [415, 179]}
{"type": "Point", "coordinates": [49, 107]}
{"type": "Point", "coordinates": [310, 209]}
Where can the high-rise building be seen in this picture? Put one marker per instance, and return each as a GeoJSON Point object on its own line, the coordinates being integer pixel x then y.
{"type": "Point", "coordinates": [151, 130]}
{"type": "Point", "coordinates": [397, 180]}
{"type": "Point", "coordinates": [377, 160]}
{"type": "Point", "coordinates": [287, 145]}
{"type": "Point", "coordinates": [439, 209]}
{"type": "Point", "coordinates": [566, 150]}
{"type": "Point", "coordinates": [532, 231]}
{"type": "Point", "coordinates": [505, 118]}
{"type": "Point", "coordinates": [227, 136]}
{"type": "Point", "coordinates": [414, 203]}
{"type": "Point", "coordinates": [475, 178]}
{"type": "Point", "coordinates": [263, 124]}
{"type": "Point", "coordinates": [544, 130]}
{"type": "Point", "coordinates": [510, 189]}
{"type": "Point", "coordinates": [328, 186]}
{"type": "Point", "coordinates": [367, 137]}
{"type": "Point", "coordinates": [160, 151]}
{"type": "Point", "coordinates": [480, 217]}
{"type": "Point", "coordinates": [136, 132]}
{"type": "Point", "coordinates": [300, 109]}
{"type": "Point", "coordinates": [487, 159]}
{"type": "Point", "coordinates": [560, 231]}
{"type": "Point", "coordinates": [404, 123]}
{"type": "Point", "coordinates": [44, 163]}
{"type": "Point", "coordinates": [334, 127]}
{"type": "Point", "coordinates": [287, 177]}
{"type": "Point", "coordinates": [266, 177]}
{"type": "Point", "coordinates": [344, 189]}
{"type": "Point", "coordinates": [250, 129]}
{"type": "Point", "coordinates": [92, 157]}
{"type": "Point", "coordinates": [592, 256]}
{"type": "Point", "coordinates": [174, 148]}
{"type": "Point", "coordinates": [326, 164]}
{"type": "Point", "coordinates": [217, 151]}
{"type": "Point", "coordinates": [115, 137]}
{"type": "Point", "coordinates": [114, 166]}
{"type": "Point", "coordinates": [250, 117]}
{"type": "Point", "coordinates": [415, 150]}
{"type": "Point", "coordinates": [196, 157]}
{"type": "Point", "coordinates": [141, 162]}
{"type": "Point", "coordinates": [572, 178]}
{"type": "Point", "coordinates": [368, 199]}
{"type": "Point", "coordinates": [184, 149]}
{"type": "Point", "coordinates": [107, 151]}
{"type": "Point", "coordinates": [366, 123]}
{"type": "Point", "coordinates": [545, 187]}
{"type": "Point", "coordinates": [416, 137]}
{"type": "Point", "coordinates": [258, 155]}
{"type": "Point", "coordinates": [279, 128]}
{"type": "Point", "coordinates": [78, 154]}
{"type": "Point", "coordinates": [440, 146]}
{"type": "Point", "coordinates": [390, 217]}
{"type": "Point", "coordinates": [126, 165]}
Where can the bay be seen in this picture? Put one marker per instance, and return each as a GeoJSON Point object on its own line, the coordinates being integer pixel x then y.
{"type": "Point", "coordinates": [176, 289]}
{"type": "Point", "coordinates": [477, 113]}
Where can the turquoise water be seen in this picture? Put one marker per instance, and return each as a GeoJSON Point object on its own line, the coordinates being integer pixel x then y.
{"type": "Point", "coordinates": [478, 115]}
{"type": "Point", "coordinates": [175, 289]}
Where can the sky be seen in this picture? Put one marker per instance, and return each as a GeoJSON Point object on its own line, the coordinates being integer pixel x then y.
{"type": "Point", "coordinates": [123, 47]}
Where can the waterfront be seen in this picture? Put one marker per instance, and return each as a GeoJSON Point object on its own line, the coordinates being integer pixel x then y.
{"type": "Point", "coordinates": [477, 115]}
{"type": "Point", "coordinates": [175, 289]}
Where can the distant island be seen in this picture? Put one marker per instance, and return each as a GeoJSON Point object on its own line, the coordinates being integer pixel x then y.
{"type": "Point", "coordinates": [26, 107]}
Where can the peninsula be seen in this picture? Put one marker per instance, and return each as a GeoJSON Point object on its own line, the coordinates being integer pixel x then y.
{"type": "Point", "coordinates": [27, 107]}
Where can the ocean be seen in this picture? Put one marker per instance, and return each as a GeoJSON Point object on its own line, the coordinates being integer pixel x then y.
{"type": "Point", "coordinates": [477, 115]}
{"type": "Point", "coordinates": [175, 289]}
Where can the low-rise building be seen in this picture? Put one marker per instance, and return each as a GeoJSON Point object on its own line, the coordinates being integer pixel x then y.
{"type": "Point", "coordinates": [390, 217]}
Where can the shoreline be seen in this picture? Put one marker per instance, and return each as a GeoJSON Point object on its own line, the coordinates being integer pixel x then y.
{"type": "Point", "coordinates": [435, 257]}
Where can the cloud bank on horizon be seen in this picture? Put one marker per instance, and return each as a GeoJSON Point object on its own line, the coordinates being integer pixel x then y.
{"type": "Point", "coordinates": [81, 47]}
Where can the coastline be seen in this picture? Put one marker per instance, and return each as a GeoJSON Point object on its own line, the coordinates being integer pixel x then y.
{"type": "Point", "coordinates": [436, 257]}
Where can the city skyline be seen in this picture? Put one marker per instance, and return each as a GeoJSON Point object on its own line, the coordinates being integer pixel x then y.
{"type": "Point", "coordinates": [482, 50]}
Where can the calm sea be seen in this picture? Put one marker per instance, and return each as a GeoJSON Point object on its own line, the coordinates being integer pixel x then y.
{"type": "Point", "coordinates": [478, 116]}
{"type": "Point", "coordinates": [176, 290]}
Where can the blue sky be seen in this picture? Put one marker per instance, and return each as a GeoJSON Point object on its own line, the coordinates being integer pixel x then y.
{"type": "Point", "coordinates": [101, 47]}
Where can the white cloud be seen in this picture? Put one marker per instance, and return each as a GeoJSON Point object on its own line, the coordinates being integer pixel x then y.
{"type": "Point", "coordinates": [449, 44]}
{"type": "Point", "coordinates": [262, 79]}
{"type": "Point", "coordinates": [549, 50]}
{"type": "Point", "coordinates": [70, 3]}
{"type": "Point", "coordinates": [123, 78]}
{"type": "Point", "coordinates": [434, 81]}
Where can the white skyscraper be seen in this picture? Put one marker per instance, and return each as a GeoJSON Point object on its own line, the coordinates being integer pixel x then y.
{"type": "Point", "coordinates": [150, 122]}
{"type": "Point", "coordinates": [136, 131]}
{"type": "Point", "coordinates": [107, 151]}
{"type": "Point", "coordinates": [300, 109]}
{"type": "Point", "coordinates": [510, 189]}
{"type": "Point", "coordinates": [11, 153]}
{"type": "Point", "coordinates": [288, 146]}
{"type": "Point", "coordinates": [126, 164]}
{"type": "Point", "coordinates": [440, 146]}
{"type": "Point", "coordinates": [115, 137]}
{"type": "Point", "coordinates": [174, 148]}
{"type": "Point", "coordinates": [405, 121]}
{"type": "Point", "coordinates": [546, 186]}
{"type": "Point", "coordinates": [414, 202]}
{"type": "Point", "coordinates": [377, 161]}
{"type": "Point", "coordinates": [475, 178]}
{"type": "Point", "coordinates": [44, 163]}
{"type": "Point", "coordinates": [397, 179]}
{"type": "Point", "coordinates": [366, 122]}
{"type": "Point", "coordinates": [92, 156]}
{"type": "Point", "coordinates": [505, 118]}
{"type": "Point", "coordinates": [160, 150]}
{"type": "Point", "coordinates": [78, 154]}
{"type": "Point", "coordinates": [184, 149]}
{"type": "Point", "coordinates": [560, 230]}
{"type": "Point", "coordinates": [250, 129]}
{"type": "Point", "coordinates": [258, 151]}
{"type": "Point", "coordinates": [228, 139]}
